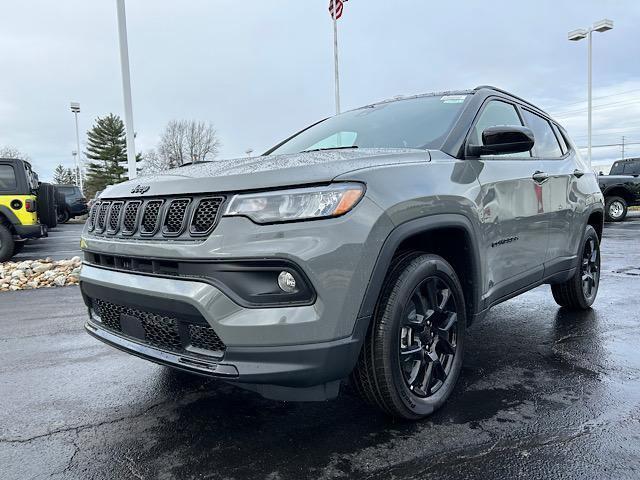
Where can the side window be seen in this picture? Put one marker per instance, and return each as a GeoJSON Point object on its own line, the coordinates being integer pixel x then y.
{"type": "Point", "coordinates": [7, 178]}
{"type": "Point", "coordinates": [563, 143]}
{"type": "Point", "coordinates": [632, 168]}
{"type": "Point", "coordinates": [617, 169]}
{"type": "Point", "coordinates": [546, 145]}
{"type": "Point", "coordinates": [496, 113]}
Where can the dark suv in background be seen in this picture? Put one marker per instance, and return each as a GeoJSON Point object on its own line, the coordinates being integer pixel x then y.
{"type": "Point", "coordinates": [72, 203]}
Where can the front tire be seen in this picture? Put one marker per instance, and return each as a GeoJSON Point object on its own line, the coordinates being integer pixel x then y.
{"type": "Point", "coordinates": [412, 355]}
{"type": "Point", "coordinates": [579, 292]}
{"type": "Point", "coordinates": [615, 209]}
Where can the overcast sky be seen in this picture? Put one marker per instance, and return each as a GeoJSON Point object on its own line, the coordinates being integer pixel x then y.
{"type": "Point", "coordinates": [260, 70]}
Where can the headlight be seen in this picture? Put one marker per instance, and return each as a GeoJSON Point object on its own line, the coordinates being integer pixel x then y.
{"type": "Point", "coordinates": [297, 204]}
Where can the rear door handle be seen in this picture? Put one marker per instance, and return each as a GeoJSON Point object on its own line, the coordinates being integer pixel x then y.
{"type": "Point", "coordinates": [540, 177]}
{"type": "Point", "coordinates": [578, 173]}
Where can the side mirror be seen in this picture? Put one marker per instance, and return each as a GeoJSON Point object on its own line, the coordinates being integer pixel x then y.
{"type": "Point", "coordinates": [503, 139]}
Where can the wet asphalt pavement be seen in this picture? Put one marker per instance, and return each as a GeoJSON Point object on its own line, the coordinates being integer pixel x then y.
{"type": "Point", "coordinates": [544, 393]}
{"type": "Point", "coordinates": [63, 242]}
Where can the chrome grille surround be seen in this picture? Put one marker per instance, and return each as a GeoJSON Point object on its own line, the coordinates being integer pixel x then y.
{"type": "Point", "coordinates": [205, 216]}
{"type": "Point", "coordinates": [151, 216]}
{"type": "Point", "coordinates": [175, 217]}
{"type": "Point", "coordinates": [113, 219]}
{"type": "Point", "coordinates": [101, 220]}
{"type": "Point", "coordinates": [91, 225]}
{"type": "Point", "coordinates": [130, 217]}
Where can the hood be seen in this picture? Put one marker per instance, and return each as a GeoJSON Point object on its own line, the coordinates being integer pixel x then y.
{"type": "Point", "coordinates": [263, 172]}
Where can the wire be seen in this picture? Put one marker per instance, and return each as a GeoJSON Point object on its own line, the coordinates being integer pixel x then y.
{"type": "Point", "coordinates": [597, 107]}
{"type": "Point", "coordinates": [593, 98]}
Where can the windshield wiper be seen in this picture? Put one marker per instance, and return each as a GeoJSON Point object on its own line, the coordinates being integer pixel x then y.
{"type": "Point", "coordinates": [329, 148]}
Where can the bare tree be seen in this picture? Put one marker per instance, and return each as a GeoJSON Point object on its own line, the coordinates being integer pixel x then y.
{"type": "Point", "coordinates": [188, 141]}
{"type": "Point", "coordinates": [12, 152]}
{"type": "Point", "coordinates": [153, 163]}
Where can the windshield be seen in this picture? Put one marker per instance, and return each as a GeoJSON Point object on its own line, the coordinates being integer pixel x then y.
{"type": "Point", "coordinates": [421, 122]}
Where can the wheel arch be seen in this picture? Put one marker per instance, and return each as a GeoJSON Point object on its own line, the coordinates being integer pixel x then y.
{"type": "Point", "coordinates": [8, 218]}
{"type": "Point", "coordinates": [459, 247]}
{"type": "Point", "coordinates": [619, 191]}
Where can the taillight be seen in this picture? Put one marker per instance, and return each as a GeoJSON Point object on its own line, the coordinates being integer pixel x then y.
{"type": "Point", "coordinates": [30, 205]}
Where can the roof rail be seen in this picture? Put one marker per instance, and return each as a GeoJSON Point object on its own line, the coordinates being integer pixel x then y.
{"type": "Point", "coordinates": [491, 87]}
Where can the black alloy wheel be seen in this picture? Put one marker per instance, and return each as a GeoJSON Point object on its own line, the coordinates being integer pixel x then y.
{"type": "Point", "coordinates": [590, 269]}
{"type": "Point", "coordinates": [428, 337]}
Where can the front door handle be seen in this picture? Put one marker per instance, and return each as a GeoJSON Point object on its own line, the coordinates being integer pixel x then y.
{"type": "Point", "coordinates": [540, 177]}
{"type": "Point", "coordinates": [578, 173]}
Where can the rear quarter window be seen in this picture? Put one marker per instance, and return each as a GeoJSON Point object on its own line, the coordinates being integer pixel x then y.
{"type": "Point", "coordinates": [7, 178]}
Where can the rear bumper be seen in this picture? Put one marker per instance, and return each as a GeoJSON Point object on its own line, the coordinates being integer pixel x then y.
{"type": "Point", "coordinates": [30, 231]}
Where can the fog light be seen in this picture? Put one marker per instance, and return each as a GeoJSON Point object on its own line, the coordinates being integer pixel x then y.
{"type": "Point", "coordinates": [287, 282]}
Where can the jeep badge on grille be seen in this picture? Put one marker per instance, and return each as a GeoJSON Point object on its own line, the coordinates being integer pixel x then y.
{"type": "Point", "coordinates": [140, 189]}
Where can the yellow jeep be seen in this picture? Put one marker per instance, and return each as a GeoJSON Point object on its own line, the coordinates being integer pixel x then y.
{"type": "Point", "coordinates": [20, 213]}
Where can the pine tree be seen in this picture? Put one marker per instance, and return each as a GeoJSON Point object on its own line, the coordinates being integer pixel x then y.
{"type": "Point", "coordinates": [107, 152]}
{"type": "Point", "coordinates": [64, 176]}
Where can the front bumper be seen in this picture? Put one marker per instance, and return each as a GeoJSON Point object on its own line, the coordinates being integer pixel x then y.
{"type": "Point", "coordinates": [301, 371]}
{"type": "Point", "coordinates": [24, 232]}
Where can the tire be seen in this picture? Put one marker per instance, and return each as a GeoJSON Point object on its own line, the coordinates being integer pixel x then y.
{"type": "Point", "coordinates": [574, 293]}
{"type": "Point", "coordinates": [7, 243]}
{"type": "Point", "coordinates": [615, 209]}
{"type": "Point", "coordinates": [46, 201]}
{"type": "Point", "coordinates": [407, 366]}
{"type": "Point", "coordinates": [63, 215]}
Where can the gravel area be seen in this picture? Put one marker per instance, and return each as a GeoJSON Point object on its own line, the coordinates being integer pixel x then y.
{"type": "Point", "coordinates": [31, 274]}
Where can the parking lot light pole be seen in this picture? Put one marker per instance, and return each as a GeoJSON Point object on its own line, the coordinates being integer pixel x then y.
{"type": "Point", "coordinates": [75, 108]}
{"type": "Point", "coordinates": [579, 34]}
{"type": "Point", "coordinates": [126, 89]}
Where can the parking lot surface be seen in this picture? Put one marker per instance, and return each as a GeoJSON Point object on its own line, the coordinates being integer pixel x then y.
{"type": "Point", "coordinates": [544, 393]}
{"type": "Point", "coordinates": [62, 242]}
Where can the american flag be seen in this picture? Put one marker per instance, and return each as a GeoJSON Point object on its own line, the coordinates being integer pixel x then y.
{"type": "Point", "coordinates": [339, 7]}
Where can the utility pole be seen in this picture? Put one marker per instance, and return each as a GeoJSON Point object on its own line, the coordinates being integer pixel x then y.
{"type": "Point", "coordinates": [126, 89]}
{"type": "Point", "coordinates": [623, 147]}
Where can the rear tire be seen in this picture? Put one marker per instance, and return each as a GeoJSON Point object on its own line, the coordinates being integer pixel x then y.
{"type": "Point", "coordinates": [615, 209]}
{"type": "Point", "coordinates": [46, 201]}
{"type": "Point", "coordinates": [6, 244]}
{"type": "Point", "coordinates": [412, 355]}
{"type": "Point", "coordinates": [580, 291]}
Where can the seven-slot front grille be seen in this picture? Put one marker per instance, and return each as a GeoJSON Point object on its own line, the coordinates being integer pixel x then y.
{"type": "Point", "coordinates": [181, 218]}
{"type": "Point", "coordinates": [158, 330]}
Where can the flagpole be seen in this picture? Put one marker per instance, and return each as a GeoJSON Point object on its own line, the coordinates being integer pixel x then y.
{"type": "Point", "coordinates": [335, 55]}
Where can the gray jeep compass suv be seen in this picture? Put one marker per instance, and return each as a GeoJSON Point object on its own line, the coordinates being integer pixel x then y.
{"type": "Point", "coordinates": [360, 248]}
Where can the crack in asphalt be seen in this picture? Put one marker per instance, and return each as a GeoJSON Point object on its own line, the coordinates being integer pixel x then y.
{"type": "Point", "coordinates": [82, 428]}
